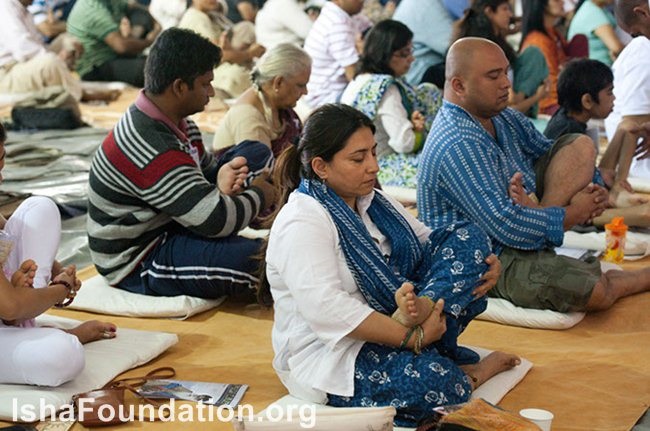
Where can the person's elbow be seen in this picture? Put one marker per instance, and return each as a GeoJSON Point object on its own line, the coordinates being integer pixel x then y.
{"type": "Point", "coordinates": [405, 144]}
{"type": "Point", "coordinates": [119, 44]}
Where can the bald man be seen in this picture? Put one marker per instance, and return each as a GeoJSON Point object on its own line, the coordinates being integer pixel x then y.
{"type": "Point", "coordinates": [633, 16]}
{"type": "Point", "coordinates": [480, 163]}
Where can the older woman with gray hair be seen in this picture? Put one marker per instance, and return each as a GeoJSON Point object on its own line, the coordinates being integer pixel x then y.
{"type": "Point", "coordinates": [265, 112]}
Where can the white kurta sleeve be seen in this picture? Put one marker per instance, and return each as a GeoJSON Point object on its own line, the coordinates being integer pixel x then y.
{"type": "Point", "coordinates": [303, 249]}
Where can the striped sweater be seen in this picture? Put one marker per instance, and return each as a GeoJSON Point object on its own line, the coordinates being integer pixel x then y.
{"type": "Point", "coordinates": [145, 182]}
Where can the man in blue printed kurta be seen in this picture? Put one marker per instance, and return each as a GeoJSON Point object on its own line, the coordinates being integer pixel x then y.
{"type": "Point", "coordinates": [480, 162]}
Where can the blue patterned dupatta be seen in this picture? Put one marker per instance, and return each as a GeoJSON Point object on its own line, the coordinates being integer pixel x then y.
{"type": "Point", "coordinates": [377, 278]}
{"type": "Point", "coordinates": [448, 265]}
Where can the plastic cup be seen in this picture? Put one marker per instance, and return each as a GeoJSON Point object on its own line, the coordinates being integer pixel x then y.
{"type": "Point", "coordinates": [541, 418]}
{"type": "Point", "coordinates": [615, 232]}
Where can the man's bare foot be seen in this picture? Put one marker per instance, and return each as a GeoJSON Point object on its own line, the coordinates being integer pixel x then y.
{"type": "Point", "coordinates": [411, 309]}
{"type": "Point", "coordinates": [620, 198]}
{"type": "Point", "coordinates": [24, 277]}
{"type": "Point", "coordinates": [100, 95]}
{"type": "Point", "coordinates": [490, 366]}
{"type": "Point", "coordinates": [232, 175]}
{"type": "Point", "coordinates": [518, 194]}
{"type": "Point", "coordinates": [93, 330]}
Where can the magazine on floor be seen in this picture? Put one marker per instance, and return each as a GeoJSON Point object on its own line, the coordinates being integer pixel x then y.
{"type": "Point", "coordinates": [221, 394]}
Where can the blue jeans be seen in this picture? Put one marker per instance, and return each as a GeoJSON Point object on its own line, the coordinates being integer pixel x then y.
{"type": "Point", "coordinates": [183, 263]}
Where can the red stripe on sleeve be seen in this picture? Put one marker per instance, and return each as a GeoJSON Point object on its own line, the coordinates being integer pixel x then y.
{"type": "Point", "coordinates": [150, 174]}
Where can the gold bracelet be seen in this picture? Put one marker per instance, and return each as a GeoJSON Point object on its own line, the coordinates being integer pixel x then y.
{"type": "Point", "coordinates": [419, 338]}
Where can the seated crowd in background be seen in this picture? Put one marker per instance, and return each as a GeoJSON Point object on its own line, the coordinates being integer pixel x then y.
{"type": "Point", "coordinates": [264, 112]}
{"type": "Point", "coordinates": [402, 113]}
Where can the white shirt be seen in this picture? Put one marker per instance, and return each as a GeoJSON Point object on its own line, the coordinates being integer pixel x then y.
{"type": "Point", "coordinates": [317, 302]}
{"type": "Point", "coordinates": [330, 44]}
{"type": "Point", "coordinates": [168, 13]}
{"type": "Point", "coordinates": [20, 40]}
{"type": "Point", "coordinates": [282, 21]}
{"type": "Point", "coordinates": [394, 131]}
{"type": "Point", "coordinates": [632, 90]}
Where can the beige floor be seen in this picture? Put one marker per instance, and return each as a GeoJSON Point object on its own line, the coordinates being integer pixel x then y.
{"type": "Point", "coordinates": [103, 115]}
{"type": "Point", "coordinates": [595, 376]}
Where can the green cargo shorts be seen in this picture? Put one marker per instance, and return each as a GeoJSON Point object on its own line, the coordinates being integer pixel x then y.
{"type": "Point", "coordinates": [544, 280]}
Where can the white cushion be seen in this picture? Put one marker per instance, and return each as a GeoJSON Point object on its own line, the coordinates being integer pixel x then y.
{"type": "Point", "coordinates": [639, 184]}
{"type": "Point", "coordinates": [360, 419]}
{"type": "Point", "coordinates": [97, 296]}
{"type": "Point", "coordinates": [402, 194]}
{"type": "Point", "coordinates": [505, 312]}
{"type": "Point", "coordinates": [105, 359]}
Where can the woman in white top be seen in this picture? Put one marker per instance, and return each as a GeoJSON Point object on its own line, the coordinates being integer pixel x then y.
{"type": "Point", "coordinates": [402, 114]}
{"type": "Point", "coordinates": [342, 257]}
{"type": "Point", "coordinates": [264, 112]}
{"type": "Point", "coordinates": [31, 282]}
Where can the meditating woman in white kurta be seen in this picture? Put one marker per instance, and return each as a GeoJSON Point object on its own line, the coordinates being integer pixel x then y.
{"type": "Point", "coordinates": [342, 257]}
{"type": "Point", "coordinates": [31, 282]}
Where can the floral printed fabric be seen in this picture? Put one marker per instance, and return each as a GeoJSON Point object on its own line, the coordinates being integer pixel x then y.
{"type": "Point", "coordinates": [426, 97]}
{"type": "Point", "coordinates": [399, 169]}
{"type": "Point", "coordinates": [415, 384]}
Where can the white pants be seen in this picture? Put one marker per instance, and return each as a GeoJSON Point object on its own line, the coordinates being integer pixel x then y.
{"type": "Point", "coordinates": [30, 355]}
{"type": "Point", "coordinates": [38, 73]}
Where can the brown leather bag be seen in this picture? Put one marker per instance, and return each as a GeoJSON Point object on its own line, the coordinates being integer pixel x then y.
{"type": "Point", "coordinates": [105, 406]}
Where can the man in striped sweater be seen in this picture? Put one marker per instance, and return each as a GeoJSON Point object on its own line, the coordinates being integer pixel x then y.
{"type": "Point", "coordinates": [479, 161]}
{"type": "Point", "coordinates": [164, 213]}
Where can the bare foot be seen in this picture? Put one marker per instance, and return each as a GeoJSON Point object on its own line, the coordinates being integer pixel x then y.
{"type": "Point", "coordinates": [411, 309]}
{"type": "Point", "coordinates": [93, 330]}
{"type": "Point", "coordinates": [57, 269]}
{"type": "Point", "coordinates": [232, 175]}
{"type": "Point", "coordinates": [100, 95]}
{"type": "Point", "coordinates": [24, 277]}
{"type": "Point", "coordinates": [67, 273]}
{"type": "Point", "coordinates": [490, 366]}
{"type": "Point", "coordinates": [518, 194]}
{"type": "Point", "coordinates": [619, 198]}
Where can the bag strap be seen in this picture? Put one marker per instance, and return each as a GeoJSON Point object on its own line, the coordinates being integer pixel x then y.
{"type": "Point", "coordinates": [134, 382]}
